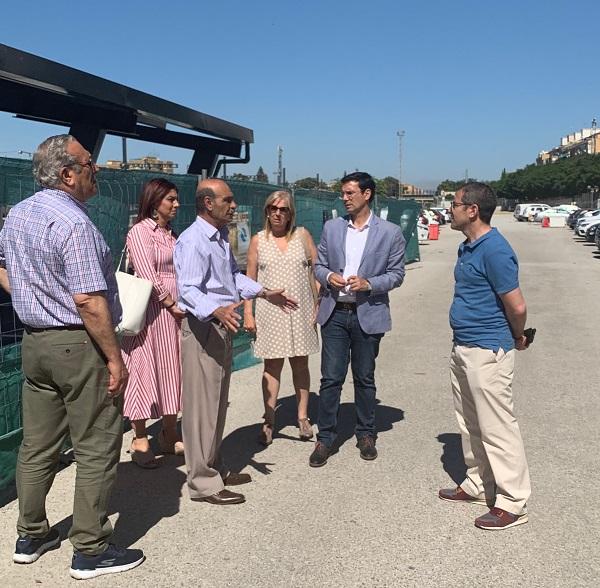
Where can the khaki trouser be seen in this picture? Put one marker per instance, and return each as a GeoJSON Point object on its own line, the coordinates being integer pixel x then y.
{"type": "Point", "coordinates": [65, 391]}
{"type": "Point", "coordinates": [206, 354]}
{"type": "Point", "coordinates": [491, 440]}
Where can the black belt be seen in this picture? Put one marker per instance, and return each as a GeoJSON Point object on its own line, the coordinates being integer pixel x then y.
{"type": "Point", "coordinates": [213, 320]}
{"type": "Point", "coordinates": [30, 330]}
{"type": "Point", "coordinates": [350, 306]}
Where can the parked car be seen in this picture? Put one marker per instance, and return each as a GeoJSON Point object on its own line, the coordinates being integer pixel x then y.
{"type": "Point", "coordinates": [590, 233]}
{"type": "Point", "coordinates": [574, 216]}
{"type": "Point", "coordinates": [597, 239]}
{"type": "Point", "coordinates": [523, 212]}
{"type": "Point", "coordinates": [444, 212]}
{"type": "Point", "coordinates": [584, 222]}
{"type": "Point", "coordinates": [517, 211]}
{"type": "Point", "coordinates": [562, 210]}
{"type": "Point", "coordinates": [438, 216]}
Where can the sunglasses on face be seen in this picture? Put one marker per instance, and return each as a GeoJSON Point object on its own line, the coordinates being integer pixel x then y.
{"type": "Point", "coordinates": [281, 209]}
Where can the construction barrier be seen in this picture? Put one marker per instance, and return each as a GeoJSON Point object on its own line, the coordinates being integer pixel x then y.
{"type": "Point", "coordinates": [114, 209]}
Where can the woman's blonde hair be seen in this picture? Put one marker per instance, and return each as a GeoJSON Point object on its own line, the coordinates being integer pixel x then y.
{"type": "Point", "coordinates": [273, 197]}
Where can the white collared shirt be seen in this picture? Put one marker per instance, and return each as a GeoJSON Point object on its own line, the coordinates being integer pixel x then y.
{"type": "Point", "coordinates": [356, 239]}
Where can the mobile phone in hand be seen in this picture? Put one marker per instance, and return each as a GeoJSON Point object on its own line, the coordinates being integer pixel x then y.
{"type": "Point", "coordinates": [529, 336]}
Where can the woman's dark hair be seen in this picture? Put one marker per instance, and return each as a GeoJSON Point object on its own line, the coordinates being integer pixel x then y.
{"type": "Point", "coordinates": [152, 194]}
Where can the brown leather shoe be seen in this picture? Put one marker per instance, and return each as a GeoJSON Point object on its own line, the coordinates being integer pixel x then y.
{"type": "Point", "coordinates": [367, 448]}
{"type": "Point", "coordinates": [498, 519]}
{"type": "Point", "coordinates": [236, 479]}
{"type": "Point", "coordinates": [459, 495]}
{"type": "Point", "coordinates": [223, 497]}
{"type": "Point", "coordinates": [319, 456]}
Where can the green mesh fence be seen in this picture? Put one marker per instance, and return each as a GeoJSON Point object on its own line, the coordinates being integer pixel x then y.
{"type": "Point", "coordinates": [113, 210]}
{"type": "Point", "coordinates": [11, 379]}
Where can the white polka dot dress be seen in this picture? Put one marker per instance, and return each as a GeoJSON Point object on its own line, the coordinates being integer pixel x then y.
{"type": "Point", "coordinates": [280, 334]}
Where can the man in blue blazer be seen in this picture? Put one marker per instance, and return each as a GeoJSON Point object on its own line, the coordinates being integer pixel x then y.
{"type": "Point", "coordinates": [361, 258]}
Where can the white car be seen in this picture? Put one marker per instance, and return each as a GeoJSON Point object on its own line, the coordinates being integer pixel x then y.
{"type": "Point", "coordinates": [587, 219]}
{"type": "Point", "coordinates": [443, 211]}
{"type": "Point", "coordinates": [583, 227]}
{"type": "Point", "coordinates": [524, 212]}
{"type": "Point", "coordinates": [562, 210]}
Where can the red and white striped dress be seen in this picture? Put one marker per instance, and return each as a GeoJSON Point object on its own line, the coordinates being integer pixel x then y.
{"type": "Point", "coordinates": [153, 356]}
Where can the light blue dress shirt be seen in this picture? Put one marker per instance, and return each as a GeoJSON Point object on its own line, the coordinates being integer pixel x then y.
{"type": "Point", "coordinates": [207, 274]}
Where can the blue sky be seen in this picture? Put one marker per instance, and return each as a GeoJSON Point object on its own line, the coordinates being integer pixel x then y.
{"type": "Point", "coordinates": [475, 85]}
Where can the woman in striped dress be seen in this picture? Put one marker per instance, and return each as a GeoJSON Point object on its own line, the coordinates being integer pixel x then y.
{"type": "Point", "coordinates": [153, 357]}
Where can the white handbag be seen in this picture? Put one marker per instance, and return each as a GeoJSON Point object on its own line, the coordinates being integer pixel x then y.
{"type": "Point", "coordinates": [134, 294]}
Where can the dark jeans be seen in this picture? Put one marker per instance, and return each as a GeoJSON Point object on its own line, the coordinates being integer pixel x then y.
{"type": "Point", "coordinates": [345, 342]}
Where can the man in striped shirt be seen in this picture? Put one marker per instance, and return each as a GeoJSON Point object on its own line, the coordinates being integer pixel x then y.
{"type": "Point", "coordinates": [60, 273]}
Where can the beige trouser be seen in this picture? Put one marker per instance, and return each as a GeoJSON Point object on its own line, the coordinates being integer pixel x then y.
{"type": "Point", "coordinates": [491, 440]}
{"type": "Point", "coordinates": [206, 354]}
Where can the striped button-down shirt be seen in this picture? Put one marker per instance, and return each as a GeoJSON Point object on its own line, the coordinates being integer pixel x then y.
{"type": "Point", "coordinates": [52, 251]}
{"type": "Point", "coordinates": [207, 273]}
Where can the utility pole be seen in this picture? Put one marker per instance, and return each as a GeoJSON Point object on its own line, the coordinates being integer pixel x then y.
{"type": "Point", "coordinates": [279, 165]}
{"type": "Point", "coordinates": [466, 176]}
{"type": "Point", "coordinates": [400, 135]}
{"type": "Point", "coordinates": [124, 150]}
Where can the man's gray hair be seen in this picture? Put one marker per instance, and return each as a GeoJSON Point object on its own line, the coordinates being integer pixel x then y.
{"type": "Point", "coordinates": [49, 158]}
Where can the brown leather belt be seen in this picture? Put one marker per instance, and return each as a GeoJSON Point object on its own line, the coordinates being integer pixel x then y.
{"type": "Point", "coordinates": [349, 306]}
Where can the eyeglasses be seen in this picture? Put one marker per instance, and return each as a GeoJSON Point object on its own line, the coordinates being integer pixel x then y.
{"type": "Point", "coordinates": [89, 163]}
{"type": "Point", "coordinates": [282, 209]}
{"type": "Point", "coordinates": [454, 204]}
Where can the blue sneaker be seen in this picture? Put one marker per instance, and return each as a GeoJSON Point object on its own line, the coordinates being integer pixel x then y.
{"type": "Point", "coordinates": [29, 549]}
{"type": "Point", "coordinates": [113, 560]}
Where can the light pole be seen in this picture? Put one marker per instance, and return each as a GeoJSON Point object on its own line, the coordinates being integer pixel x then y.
{"type": "Point", "coordinates": [400, 135]}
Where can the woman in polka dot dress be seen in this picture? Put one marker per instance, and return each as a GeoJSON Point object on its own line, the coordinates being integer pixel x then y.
{"type": "Point", "coordinates": [281, 256]}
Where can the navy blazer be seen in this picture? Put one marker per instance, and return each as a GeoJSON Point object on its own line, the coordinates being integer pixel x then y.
{"type": "Point", "coordinates": [382, 264]}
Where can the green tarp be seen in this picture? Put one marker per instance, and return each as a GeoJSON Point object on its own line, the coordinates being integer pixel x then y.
{"type": "Point", "coordinates": [112, 210]}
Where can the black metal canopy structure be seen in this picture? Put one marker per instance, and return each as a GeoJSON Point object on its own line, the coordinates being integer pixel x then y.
{"type": "Point", "coordinates": [38, 89]}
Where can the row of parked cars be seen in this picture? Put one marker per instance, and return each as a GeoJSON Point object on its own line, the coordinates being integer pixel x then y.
{"type": "Point", "coordinates": [585, 223]}
{"type": "Point", "coordinates": [536, 212]}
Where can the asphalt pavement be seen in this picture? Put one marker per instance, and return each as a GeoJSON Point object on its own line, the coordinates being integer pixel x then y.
{"type": "Point", "coordinates": [356, 523]}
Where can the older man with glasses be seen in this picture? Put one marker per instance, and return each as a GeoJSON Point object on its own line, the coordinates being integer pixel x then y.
{"type": "Point", "coordinates": [59, 270]}
{"type": "Point", "coordinates": [487, 317]}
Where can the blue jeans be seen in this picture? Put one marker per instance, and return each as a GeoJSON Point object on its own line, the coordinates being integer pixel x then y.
{"type": "Point", "coordinates": [344, 342]}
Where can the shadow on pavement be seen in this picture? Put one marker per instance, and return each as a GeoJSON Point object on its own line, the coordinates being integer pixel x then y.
{"type": "Point", "coordinates": [240, 447]}
{"type": "Point", "coordinates": [452, 459]}
{"type": "Point", "coordinates": [142, 498]}
{"type": "Point", "coordinates": [385, 417]}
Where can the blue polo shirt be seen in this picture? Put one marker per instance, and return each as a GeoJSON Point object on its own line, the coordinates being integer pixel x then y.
{"type": "Point", "coordinates": [485, 269]}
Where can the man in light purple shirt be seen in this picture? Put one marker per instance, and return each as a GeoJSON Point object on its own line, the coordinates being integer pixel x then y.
{"type": "Point", "coordinates": [211, 288]}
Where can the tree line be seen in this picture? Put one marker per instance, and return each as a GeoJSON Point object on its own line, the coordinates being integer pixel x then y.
{"type": "Point", "coordinates": [387, 186]}
{"type": "Point", "coordinates": [564, 178]}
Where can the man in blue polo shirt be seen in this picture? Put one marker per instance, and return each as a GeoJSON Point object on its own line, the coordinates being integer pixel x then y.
{"type": "Point", "coordinates": [487, 317]}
